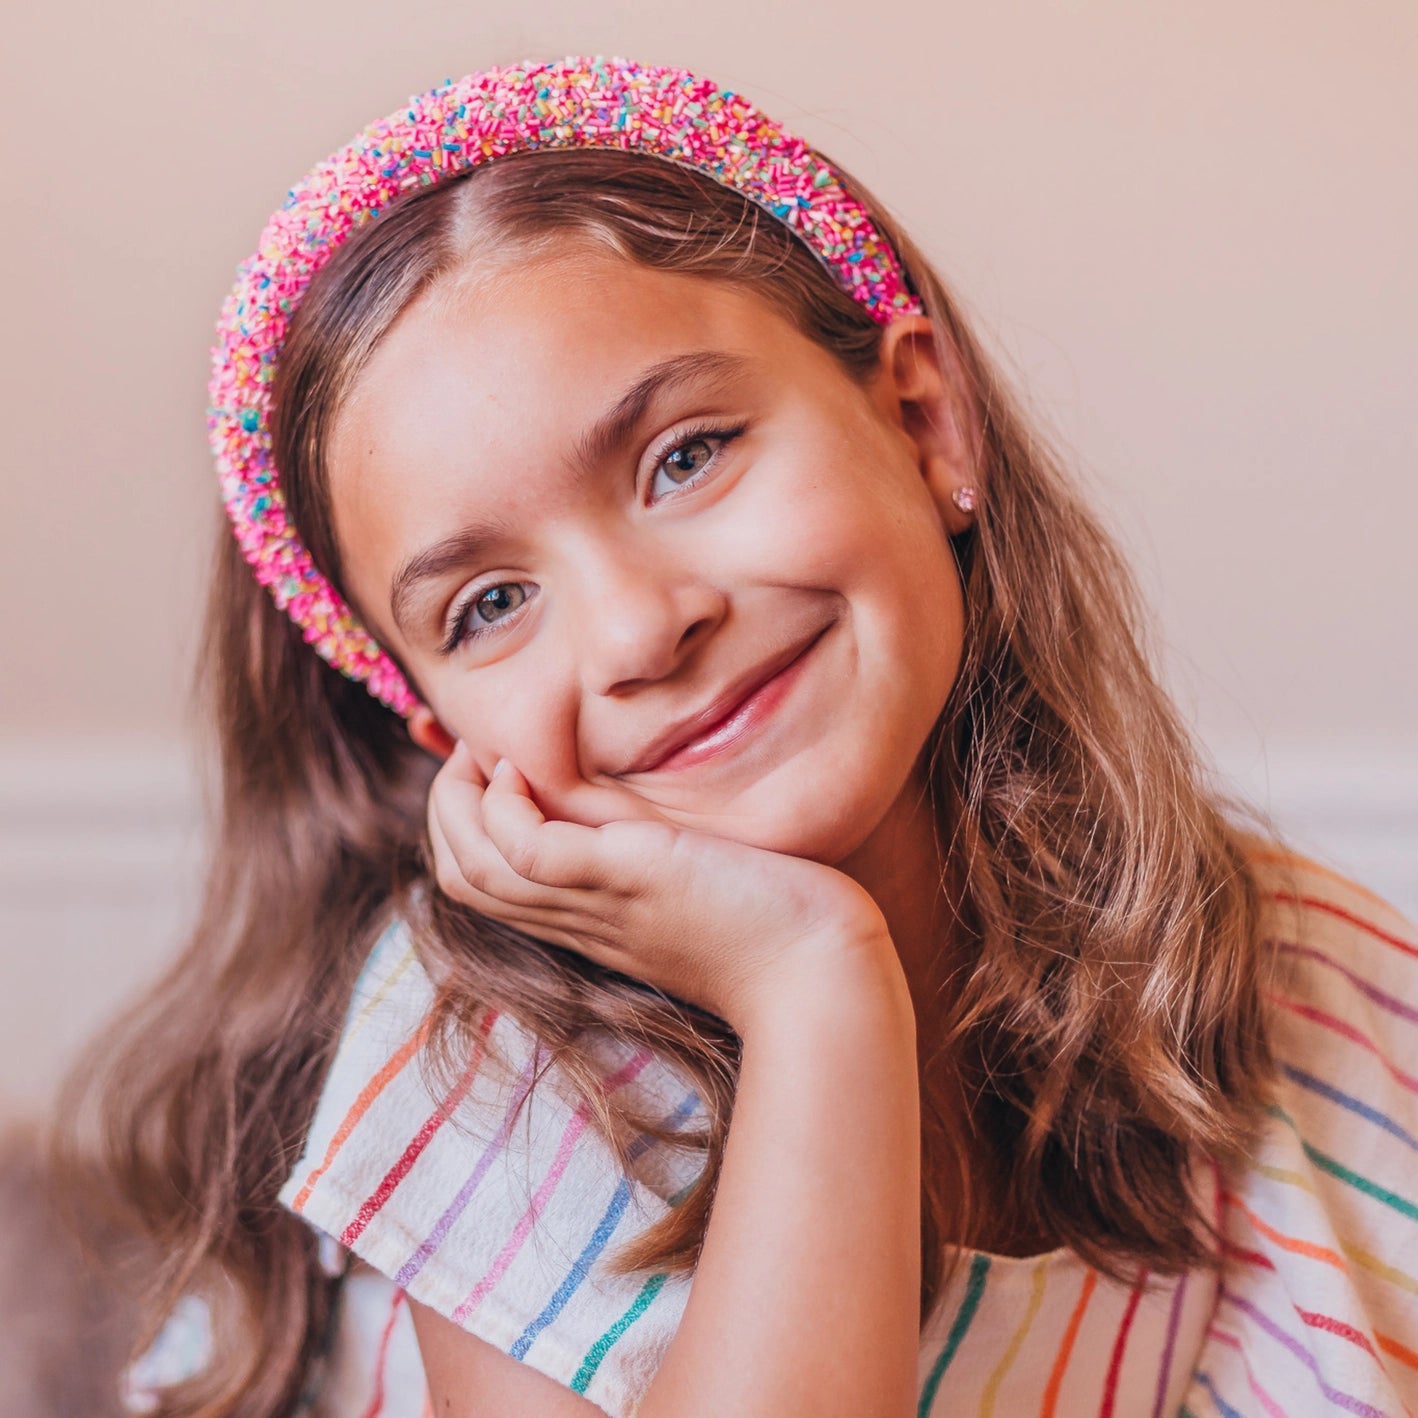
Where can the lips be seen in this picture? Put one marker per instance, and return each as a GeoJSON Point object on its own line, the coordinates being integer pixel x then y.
{"type": "Point", "coordinates": [721, 708]}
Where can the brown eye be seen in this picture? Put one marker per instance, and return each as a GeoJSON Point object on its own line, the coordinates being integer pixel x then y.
{"type": "Point", "coordinates": [484, 613]}
{"type": "Point", "coordinates": [496, 601]}
{"type": "Point", "coordinates": [688, 459]}
{"type": "Point", "coordinates": [691, 459]}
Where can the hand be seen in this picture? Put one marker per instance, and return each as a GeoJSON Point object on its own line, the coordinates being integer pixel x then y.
{"type": "Point", "coordinates": [712, 921]}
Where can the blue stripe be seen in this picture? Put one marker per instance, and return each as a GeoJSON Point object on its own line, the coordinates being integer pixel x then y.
{"type": "Point", "coordinates": [1345, 1100]}
{"type": "Point", "coordinates": [1222, 1407]}
{"type": "Point", "coordinates": [599, 1237]}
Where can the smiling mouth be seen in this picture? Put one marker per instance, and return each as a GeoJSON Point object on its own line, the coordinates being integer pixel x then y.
{"type": "Point", "coordinates": [742, 718]}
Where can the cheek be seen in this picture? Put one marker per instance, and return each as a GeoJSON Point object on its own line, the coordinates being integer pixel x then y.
{"type": "Point", "coordinates": [520, 717]}
{"type": "Point", "coordinates": [531, 720]}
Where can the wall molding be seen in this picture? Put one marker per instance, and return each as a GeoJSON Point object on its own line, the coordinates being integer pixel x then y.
{"type": "Point", "coordinates": [97, 822]}
{"type": "Point", "coordinates": [123, 821]}
{"type": "Point", "coordinates": [1353, 806]}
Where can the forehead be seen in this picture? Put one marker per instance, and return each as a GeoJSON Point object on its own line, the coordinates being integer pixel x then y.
{"type": "Point", "coordinates": [481, 386]}
{"type": "Point", "coordinates": [553, 337]}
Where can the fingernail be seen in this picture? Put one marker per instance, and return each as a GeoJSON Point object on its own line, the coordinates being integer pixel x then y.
{"type": "Point", "coordinates": [499, 766]}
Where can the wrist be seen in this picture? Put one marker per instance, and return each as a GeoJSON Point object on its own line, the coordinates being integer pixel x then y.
{"type": "Point", "coordinates": [824, 978]}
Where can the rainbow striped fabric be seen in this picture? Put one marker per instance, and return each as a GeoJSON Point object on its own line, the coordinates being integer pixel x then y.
{"type": "Point", "coordinates": [502, 1227]}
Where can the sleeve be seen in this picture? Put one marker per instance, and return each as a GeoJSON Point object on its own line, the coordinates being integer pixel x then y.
{"type": "Point", "coordinates": [1317, 1310]}
{"type": "Point", "coordinates": [499, 1221]}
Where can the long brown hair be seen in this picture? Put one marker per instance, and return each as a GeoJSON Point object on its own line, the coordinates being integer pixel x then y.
{"type": "Point", "coordinates": [1106, 1018]}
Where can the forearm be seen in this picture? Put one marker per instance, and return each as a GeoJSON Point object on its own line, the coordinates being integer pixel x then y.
{"type": "Point", "coordinates": [806, 1296]}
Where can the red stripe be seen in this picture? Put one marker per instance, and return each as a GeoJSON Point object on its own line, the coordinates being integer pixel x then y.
{"type": "Point", "coordinates": [1337, 1327]}
{"type": "Point", "coordinates": [1115, 1364]}
{"type": "Point", "coordinates": [1314, 903]}
{"type": "Point", "coordinates": [1250, 1257]}
{"type": "Point", "coordinates": [381, 1362]}
{"type": "Point", "coordinates": [396, 1174]}
{"type": "Point", "coordinates": [1348, 1031]}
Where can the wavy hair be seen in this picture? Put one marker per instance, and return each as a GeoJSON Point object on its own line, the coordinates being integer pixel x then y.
{"type": "Point", "coordinates": [1105, 1013]}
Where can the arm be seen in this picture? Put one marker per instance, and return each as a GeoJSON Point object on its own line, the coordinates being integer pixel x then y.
{"type": "Point", "coordinates": [806, 1298]}
{"type": "Point", "coordinates": [806, 1295]}
{"type": "Point", "coordinates": [807, 1292]}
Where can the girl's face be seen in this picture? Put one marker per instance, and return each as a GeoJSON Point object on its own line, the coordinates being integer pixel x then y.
{"type": "Point", "coordinates": [590, 505]}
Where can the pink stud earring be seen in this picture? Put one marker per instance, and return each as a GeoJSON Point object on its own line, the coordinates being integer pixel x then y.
{"type": "Point", "coordinates": [964, 498]}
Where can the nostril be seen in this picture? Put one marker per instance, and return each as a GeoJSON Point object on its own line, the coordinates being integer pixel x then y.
{"type": "Point", "coordinates": [697, 631]}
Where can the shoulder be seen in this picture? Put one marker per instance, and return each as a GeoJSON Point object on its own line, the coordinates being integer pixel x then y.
{"type": "Point", "coordinates": [1307, 903]}
{"type": "Point", "coordinates": [1345, 963]}
{"type": "Point", "coordinates": [1319, 1295]}
{"type": "Point", "coordinates": [493, 1200]}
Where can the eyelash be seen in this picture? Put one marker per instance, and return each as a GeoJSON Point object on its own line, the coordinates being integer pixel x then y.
{"type": "Point", "coordinates": [458, 632]}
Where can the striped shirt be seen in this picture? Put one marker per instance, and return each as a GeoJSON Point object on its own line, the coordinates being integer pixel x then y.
{"type": "Point", "coordinates": [503, 1227]}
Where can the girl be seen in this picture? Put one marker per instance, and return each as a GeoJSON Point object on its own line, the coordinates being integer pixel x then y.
{"type": "Point", "coordinates": [744, 930]}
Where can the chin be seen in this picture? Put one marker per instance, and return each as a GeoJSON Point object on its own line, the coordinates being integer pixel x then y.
{"type": "Point", "coordinates": [818, 831]}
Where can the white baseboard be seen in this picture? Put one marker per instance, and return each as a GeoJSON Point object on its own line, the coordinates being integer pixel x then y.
{"type": "Point", "coordinates": [109, 823]}
{"type": "Point", "coordinates": [1351, 806]}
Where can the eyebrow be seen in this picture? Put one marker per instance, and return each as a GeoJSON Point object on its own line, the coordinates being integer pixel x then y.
{"type": "Point", "coordinates": [591, 451]}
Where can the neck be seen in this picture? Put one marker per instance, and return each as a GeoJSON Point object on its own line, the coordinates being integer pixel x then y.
{"type": "Point", "coordinates": [900, 865]}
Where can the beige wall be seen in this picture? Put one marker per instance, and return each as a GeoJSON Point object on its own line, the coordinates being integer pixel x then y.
{"type": "Point", "coordinates": [1190, 227]}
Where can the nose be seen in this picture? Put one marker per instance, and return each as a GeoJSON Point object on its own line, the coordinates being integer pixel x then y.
{"type": "Point", "coordinates": [640, 613]}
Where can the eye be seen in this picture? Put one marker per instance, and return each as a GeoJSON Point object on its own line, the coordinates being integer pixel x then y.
{"type": "Point", "coordinates": [692, 454]}
{"type": "Point", "coordinates": [483, 612]}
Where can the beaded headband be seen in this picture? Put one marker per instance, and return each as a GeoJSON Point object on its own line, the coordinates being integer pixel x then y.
{"type": "Point", "coordinates": [578, 102]}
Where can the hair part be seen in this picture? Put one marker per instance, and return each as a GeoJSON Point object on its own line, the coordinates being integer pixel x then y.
{"type": "Point", "coordinates": [1105, 1013]}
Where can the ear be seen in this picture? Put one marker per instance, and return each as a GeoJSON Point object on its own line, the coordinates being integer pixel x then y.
{"type": "Point", "coordinates": [927, 394]}
{"type": "Point", "coordinates": [429, 734]}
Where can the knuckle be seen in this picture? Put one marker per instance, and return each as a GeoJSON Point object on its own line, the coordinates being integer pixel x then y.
{"type": "Point", "coordinates": [524, 858]}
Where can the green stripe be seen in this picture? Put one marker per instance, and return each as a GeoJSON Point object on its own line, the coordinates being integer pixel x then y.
{"type": "Point", "coordinates": [974, 1288]}
{"type": "Point", "coordinates": [1326, 1163]}
{"type": "Point", "coordinates": [606, 1342]}
{"type": "Point", "coordinates": [652, 1287]}
{"type": "Point", "coordinates": [1363, 1184]}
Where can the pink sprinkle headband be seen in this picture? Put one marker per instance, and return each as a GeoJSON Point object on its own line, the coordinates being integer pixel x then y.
{"type": "Point", "coordinates": [595, 102]}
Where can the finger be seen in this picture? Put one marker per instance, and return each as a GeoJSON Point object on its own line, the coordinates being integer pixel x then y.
{"type": "Point", "coordinates": [462, 764]}
{"type": "Point", "coordinates": [557, 854]}
{"type": "Point", "coordinates": [555, 924]}
{"type": "Point", "coordinates": [467, 863]}
{"type": "Point", "coordinates": [453, 878]}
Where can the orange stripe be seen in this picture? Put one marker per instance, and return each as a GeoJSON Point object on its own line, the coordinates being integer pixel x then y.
{"type": "Point", "coordinates": [1075, 1323]}
{"type": "Point", "coordinates": [1401, 1352]}
{"type": "Point", "coordinates": [1356, 1254]}
{"type": "Point", "coordinates": [1289, 1243]}
{"type": "Point", "coordinates": [1295, 859]}
{"type": "Point", "coordinates": [361, 1106]}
